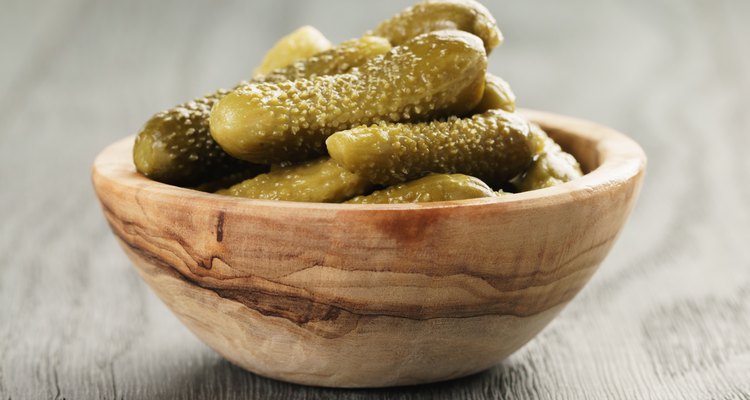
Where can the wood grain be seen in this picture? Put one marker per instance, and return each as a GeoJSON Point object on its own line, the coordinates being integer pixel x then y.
{"type": "Point", "coordinates": [664, 317]}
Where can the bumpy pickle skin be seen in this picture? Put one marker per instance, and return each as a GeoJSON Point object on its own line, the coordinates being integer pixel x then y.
{"type": "Point", "coordinates": [431, 76]}
{"type": "Point", "coordinates": [320, 181]}
{"type": "Point", "coordinates": [176, 147]}
{"type": "Point", "coordinates": [438, 187]}
{"type": "Point", "coordinates": [552, 166]}
{"type": "Point", "coordinates": [232, 179]}
{"type": "Point", "coordinates": [497, 96]}
{"type": "Point", "coordinates": [432, 15]}
{"type": "Point", "coordinates": [338, 60]}
{"type": "Point", "coordinates": [303, 43]}
{"type": "Point", "coordinates": [493, 147]}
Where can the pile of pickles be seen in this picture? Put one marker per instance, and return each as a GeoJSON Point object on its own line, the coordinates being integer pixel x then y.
{"type": "Point", "coordinates": [407, 113]}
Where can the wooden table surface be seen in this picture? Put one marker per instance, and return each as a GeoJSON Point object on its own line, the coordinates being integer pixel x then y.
{"type": "Point", "coordinates": [667, 315]}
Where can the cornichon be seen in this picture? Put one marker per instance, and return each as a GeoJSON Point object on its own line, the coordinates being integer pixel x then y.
{"type": "Point", "coordinates": [552, 165]}
{"type": "Point", "coordinates": [341, 59]}
{"type": "Point", "coordinates": [322, 180]}
{"type": "Point", "coordinates": [175, 146]}
{"type": "Point", "coordinates": [438, 187]}
{"type": "Point", "coordinates": [232, 179]}
{"type": "Point", "coordinates": [431, 76]}
{"type": "Point", "coordinates": [493, 147]}
{"type": "Point", "coordinates": [497, 96]}
{"type": "Point", "coordinates": [431, 15]}
{"type": "Point", "coordinates": [303, 43]}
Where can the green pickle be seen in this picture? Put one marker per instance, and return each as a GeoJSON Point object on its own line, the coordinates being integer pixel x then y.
{"type": "Point", "coordinates": [552, 166]}
{"type": "Point", "coordinates": [232, 179]}
{"type": "Point", "coordinates": [497, 96]}
{"type": "Point", "coordinates": [431, 76]}
{"type": "Point", "coordinates": [304, 42]}
{"type": "Point", "coordinates": [431, 15]}
{"type": "Point", "coordinates": [493, 147]}
{"type": "Point", "coordinates": [340, 59]}
{"type": "Point", "coordinates": [322, 181]}
{"type": "Point", "coordinates": [175, 146]}
{"type": "Point", "coordinates": [438, 187]}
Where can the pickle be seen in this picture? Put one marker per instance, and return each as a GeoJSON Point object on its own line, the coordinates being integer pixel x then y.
{"type": "Point", "coordinates": [303, 43]}
{"type": "Point", "coordinates": [232, 179]}
{"type": "Point", "coordinates": [433, 15]}
{"type": "Point", "coordinates": [340, 59]}
{"type": "Point", "coordinates": [176, 147]}
{"type": "Point", "coordinates": [322, 181]}
{"type": "Point", "coordinates": [434, 75]}
{"type": "Point", "coordinates": [497, 96]}
{"type": "Point", "coordinates": [493, 147]}
{"type": "Point", "coordinates": [438, 187]}
{"type": "Point", "coordinates": [552, 166]}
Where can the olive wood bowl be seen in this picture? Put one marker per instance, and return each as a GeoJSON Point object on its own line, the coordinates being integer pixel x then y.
{"type": "Point", "coordinates": [374, 295]}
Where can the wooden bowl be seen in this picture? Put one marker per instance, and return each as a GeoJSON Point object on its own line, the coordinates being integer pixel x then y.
{"type": "Point", "coordinates": [373, 295]}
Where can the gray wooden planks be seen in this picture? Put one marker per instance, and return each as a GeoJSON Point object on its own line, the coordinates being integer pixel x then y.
{"type": "Point", "coordinates": [666, 316]}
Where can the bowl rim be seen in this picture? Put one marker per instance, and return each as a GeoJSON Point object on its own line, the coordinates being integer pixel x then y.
{"type": "Point", "coordinates": [620, 159]}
